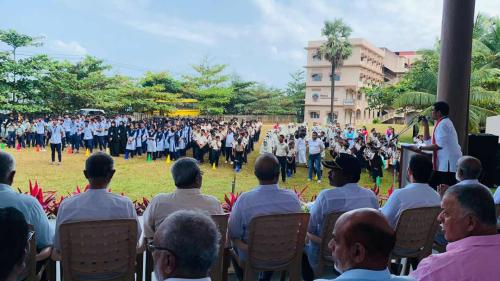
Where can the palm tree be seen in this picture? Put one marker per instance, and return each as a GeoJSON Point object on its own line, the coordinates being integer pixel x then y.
{"type": "Point", "coordinates": [336, 49]}
{"type": "Point", "coordinates": [485, 75]}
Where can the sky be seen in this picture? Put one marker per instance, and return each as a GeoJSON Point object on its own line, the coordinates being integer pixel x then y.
{"type": "Point", "coordinates": [259, 40]}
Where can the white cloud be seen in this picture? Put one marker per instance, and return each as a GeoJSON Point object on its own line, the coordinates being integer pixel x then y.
{"type": "Point", "coordinates": [71, 48]}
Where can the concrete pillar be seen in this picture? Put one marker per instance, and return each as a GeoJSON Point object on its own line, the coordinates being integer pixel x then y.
{"type": "Point", "coordinates": [455, 63]}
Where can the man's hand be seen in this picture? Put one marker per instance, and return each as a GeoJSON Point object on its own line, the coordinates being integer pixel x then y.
{"type": "Point", "coordinates": [441, 189]}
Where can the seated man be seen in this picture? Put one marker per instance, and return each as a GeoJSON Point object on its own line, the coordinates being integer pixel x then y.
{"type": "Point", "coordinates": [344, 195]}
{"type": "Point", "coordinates": [416, 194]}
{"type": "Point", "coordinates": [96, 203]}
{"type": "Point", "coordinates": [469, 224]}
{"type": "Point", "coordinates": [28, 205]}
{"type": "Point", "coordinates": [14, 244]}
{"type": "Point", "coordinates": [468, 172]}
{"type": "Point", "coordinates": [265, 199]}
{"type": "Point", "coordinates": [188, 180]}
{"type": "Point", "coordinates": [361, 246]}
{"type": "Point", "coordinates": [185, 246]}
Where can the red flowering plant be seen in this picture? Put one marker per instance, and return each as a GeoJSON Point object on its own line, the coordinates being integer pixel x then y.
{"type": "Point", "coordinates": [229, 201]}
{"type": "Point", "coordinates": [140, 207]}
{"type": "Point", "coordinates": [46, 199]}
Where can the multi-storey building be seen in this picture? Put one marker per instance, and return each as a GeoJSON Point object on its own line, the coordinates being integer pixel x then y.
{"type": "Point", "coordinates": [367, 66]}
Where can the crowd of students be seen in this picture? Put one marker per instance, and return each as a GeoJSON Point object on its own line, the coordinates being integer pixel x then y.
{"type": "Point", "coordinates": [157, 138]}
{"type": "Point", "coordinates": [292, 144]}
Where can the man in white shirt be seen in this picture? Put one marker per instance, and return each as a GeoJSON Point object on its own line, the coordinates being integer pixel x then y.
{"type": "Point", "coordinates": [316, 148]}
{"type": "Point", "coordinates": [56, 136]}
{"type": "Point", "coordinates": [187, 177]}
{"type": "Point", "coordinates": [40, 133]}
{"type": "Point", "coordinates": [416, 194]}
{"type": "Point", "coordinates": [344, 195]}
{"type": "Point", "coordinates": [185, 247]}
{"type": "Point", "coordinates": [88, 135]}
{"type": "Point", "coordinates": [468, 172]}
{"type": "Point", "coordinates": [443, 144]}
{"type": "Point", "coordinates": [281, 151]}
{"type": "Point", "coordinates": [265, 199]}
{"type": "Point", "coordinates": [96, 203]}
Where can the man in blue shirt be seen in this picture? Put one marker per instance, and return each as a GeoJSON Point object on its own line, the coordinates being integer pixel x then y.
{"type": "Point", "coordinates": [361, 246]}
{"type": "Point", "coordinates": [27, 204]}
{"type": "Point", "coordinates": [265, 199]}
{"type": "Point", "coordinates": [344, 195]}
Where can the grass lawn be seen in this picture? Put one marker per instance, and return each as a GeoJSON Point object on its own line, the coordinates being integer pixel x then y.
{"type": "Point", "coordinates": [137, 177]}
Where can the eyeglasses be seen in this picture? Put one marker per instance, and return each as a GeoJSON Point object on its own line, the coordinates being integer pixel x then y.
{"type": "Point", "coordinates": [152, 248]}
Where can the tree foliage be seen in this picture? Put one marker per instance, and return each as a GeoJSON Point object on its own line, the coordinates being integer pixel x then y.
{"type": "Point", "coordinates": [40, 84]}
{"type": "Point", "coordinates": [418, 88]}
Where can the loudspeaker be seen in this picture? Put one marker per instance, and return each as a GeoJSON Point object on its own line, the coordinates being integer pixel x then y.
{"type": "Point", "coordinates": [485, 148]}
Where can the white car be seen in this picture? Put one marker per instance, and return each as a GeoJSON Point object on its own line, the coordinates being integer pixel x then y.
{"type": "Point", "coordinates": [91, 111]}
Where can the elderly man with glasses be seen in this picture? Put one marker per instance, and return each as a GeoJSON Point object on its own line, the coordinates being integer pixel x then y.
{"type": "Point", "coordinates": [344, 195]}
{"type": "Point", "coordinates": [185, 246]}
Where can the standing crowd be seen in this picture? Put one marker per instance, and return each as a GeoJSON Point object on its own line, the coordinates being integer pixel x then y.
{"type": "Point", "coordinates": [157, 138]}
{"type": "Point", "coordinates": [291, 145]}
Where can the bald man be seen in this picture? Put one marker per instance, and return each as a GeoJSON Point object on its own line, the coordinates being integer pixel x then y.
{"type": "Point", "coordinates": [361, 246]}
{"type": "Point", "coordinates": [265, 199]}
{"type": "Point", "coordinates": [468, 172]}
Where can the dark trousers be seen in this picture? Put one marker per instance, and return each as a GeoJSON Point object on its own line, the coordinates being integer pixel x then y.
{"type": "Point", "coordinates": [89, 144]}
{"type": "Point", "coordinates": [75, 142]}
{"type": "Point", "coordinates": [438, 178]}
{"type": "Point", "coordinates": [67, 139]}
{"type": "Point", "coordinates": [11, 139]}
{"type": "Point", "coordinates": [102, 142]}
{"type": "Point", "coordinates": [40, 140]}
{"type": "Point", "coordinates": [53, 148]}
{"type": "Point", "coordinates": [20, 140]}
{"type": "Point", "coordinates": [282, 160]}
{"type": "Point", "coordinates": [214, 157]}
{"type": "Point", "coordinates": [229, 153]}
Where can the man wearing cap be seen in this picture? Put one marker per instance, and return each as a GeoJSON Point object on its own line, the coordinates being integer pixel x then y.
{"type": "Point", "coordinates": [344, 195]}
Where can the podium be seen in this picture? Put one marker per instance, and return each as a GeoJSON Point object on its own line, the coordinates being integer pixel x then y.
{"type": "Point", "coordinates": [407, 151]}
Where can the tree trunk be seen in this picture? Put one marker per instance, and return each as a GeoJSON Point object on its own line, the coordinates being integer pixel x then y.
{"type": "Point", "coordinates": [332, 93]}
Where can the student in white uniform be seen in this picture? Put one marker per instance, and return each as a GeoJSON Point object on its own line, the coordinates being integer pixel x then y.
{"type": "Point", "coordinates": [56, 136]}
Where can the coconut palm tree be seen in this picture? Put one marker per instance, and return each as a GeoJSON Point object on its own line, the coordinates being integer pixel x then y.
{"type": "Point", "coordinates": [485, 75]}
{"type": "Point", "coordinates": [336, 49]}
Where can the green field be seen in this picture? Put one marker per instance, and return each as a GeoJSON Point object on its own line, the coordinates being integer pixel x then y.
{"type": "Point", "coordinates": [137, 177]}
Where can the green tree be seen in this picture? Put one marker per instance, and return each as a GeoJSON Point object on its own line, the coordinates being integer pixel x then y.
{"type": "Point", "coordinates": [296, 92]}
{"type": "Point", "coordinates": [242, 95]}
{"type": "Point", "coordinates": [485, 75]}
{"type": "Point", "coordinates": [19, 76]}
{"type": "Point", "coordinates": [336, 49]}
{"type": "Point", "coordinates": [210, 86]}
{"type": "Point", "coordinates": [170, 84]}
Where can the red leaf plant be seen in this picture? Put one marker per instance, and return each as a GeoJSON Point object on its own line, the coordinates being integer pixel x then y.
{"type": "Point", "coordinates": [229, 201]}
{"type": "Point", "coordinates": [140, 207]}
{"type": "Point", "coordinates": [46, 199]}
{"type": "Point", "coordinates": [300, 192]}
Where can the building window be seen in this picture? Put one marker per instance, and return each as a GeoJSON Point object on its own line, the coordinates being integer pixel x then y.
{"type": "Point", "coordinates": [337, 77]}
{"type": "Point", "coordinates": [316, 57]}
{"type": "Point", "coordinates": [314, 115]}
{"type": "Point", "coordinates": [316, 77]}
{"type": "Point", "coordinates": [360, 96]}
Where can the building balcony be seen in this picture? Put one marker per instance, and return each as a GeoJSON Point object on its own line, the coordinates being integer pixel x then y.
{"type": "Point", "coordinates": [349, 102]}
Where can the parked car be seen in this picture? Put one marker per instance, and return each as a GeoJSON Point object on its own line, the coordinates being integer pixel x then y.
{"type": "Point", "coordinates": [91, 111]}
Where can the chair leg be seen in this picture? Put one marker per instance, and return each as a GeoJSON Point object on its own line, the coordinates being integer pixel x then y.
{"type": "Point", "coordinates": [149, 266]}
{"type": "Point", "coordinates": [283, 275]}
{"type": "Point", "coordinates": [139, 270]}
{"type": "Point", "coordinates": [294, 272]}
{"type": "Point", "coordinates": [248, 273]}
